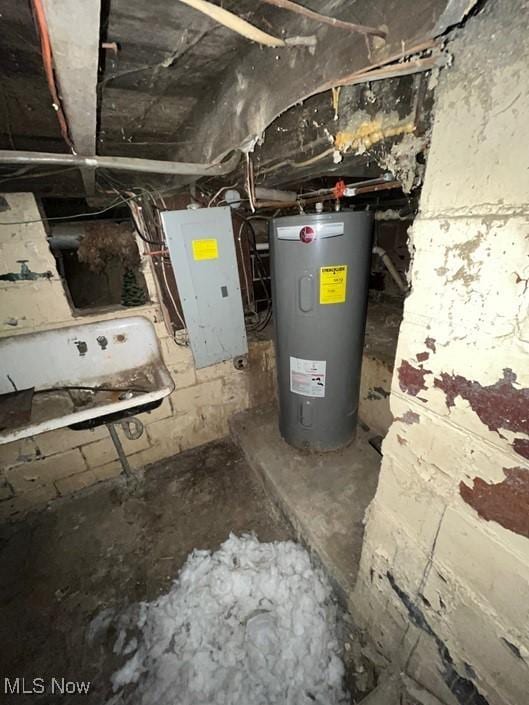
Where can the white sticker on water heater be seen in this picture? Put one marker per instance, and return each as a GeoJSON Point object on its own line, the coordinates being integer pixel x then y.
{"type": "Point", "coordinates": [307, 377]}
{"type": "Point", "coordinates": [321, 231]}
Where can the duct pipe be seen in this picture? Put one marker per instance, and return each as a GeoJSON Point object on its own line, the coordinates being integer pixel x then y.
{"type": "Point", "coordinates": [150, 166]}
{"type": "Point", "coordinates": [381, 252]}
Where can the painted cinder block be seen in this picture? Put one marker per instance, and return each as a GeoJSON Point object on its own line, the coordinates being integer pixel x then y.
{"type": "Point", "coordinates": [390, 548]}
{"type": "Point", "coordinates": [469, 284]}
{"type": "Point", "coordinates": [191, 398]}
{"type": "Point", "coordinates": [165, 435]}
{"type": "Point", "coordinates": [107, 471]}
{"type": "Point", "coordinates": [18, 453]}
{"type": "Point", "coordinates": [460, 399]}
{"type": "Point", "coordinates": [452, 456]}
{"type": "Point", "coordinates": [74, 483]}
{"type": "Point", "coordinates": [99, 453]}
{"type": "Point", "coordinates": [103, 451]}
{"type": "Point", "coordinates": [25, 305]}
{"type": "Point", "coordinates": [469, 547]}
{"type": "Point", "coordinates": [153, 454]}
{"type": "Point", "coordinates": [411, 502]}
{"type": "Point", "coordinates": [65, 438]}
{"type": "Point", "coordinates": [161, 412]}
{"type": "Point", "coordinates": [25, 478]}
{"type": "Point", "coordinates": [179, 362]}
{"type": "Point", "coordinates": [479, 642]}
{"type": "Point", "coordinates": [427, 667]}
{"type": "Point", "coordinates": [479, 166]}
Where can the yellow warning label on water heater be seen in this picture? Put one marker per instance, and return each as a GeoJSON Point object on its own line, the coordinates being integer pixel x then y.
{"type": "Point", "coordinates": [333, 284]}
{"type": "Point", "coordinates": [205, 249]}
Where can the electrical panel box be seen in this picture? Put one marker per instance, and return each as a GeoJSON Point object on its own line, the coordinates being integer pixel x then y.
{"type": "Point", "coordinates": [202, 250]}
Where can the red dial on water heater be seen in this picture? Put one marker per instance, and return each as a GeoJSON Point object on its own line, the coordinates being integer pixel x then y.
{"type": "Point", "coordinates": [307, 234]}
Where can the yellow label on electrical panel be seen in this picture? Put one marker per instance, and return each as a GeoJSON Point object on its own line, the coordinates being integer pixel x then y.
{"type": "Point", "coordinates": [205, 249]}
{"type": "Point", "coordinates": [333, 283]}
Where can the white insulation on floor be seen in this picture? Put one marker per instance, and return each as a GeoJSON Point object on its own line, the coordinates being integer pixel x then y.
{"type": "Point", "coordinates": [251, 624]}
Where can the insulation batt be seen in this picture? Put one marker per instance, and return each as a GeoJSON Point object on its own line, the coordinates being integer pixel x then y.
{"type": "Point", "coordinates": [251, 624]}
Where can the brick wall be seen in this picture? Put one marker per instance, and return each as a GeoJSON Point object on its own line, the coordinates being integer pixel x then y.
{"type": "Point", "coordinates": [37, 470]}
{"type": "Point", "coordinates": [443, 588]}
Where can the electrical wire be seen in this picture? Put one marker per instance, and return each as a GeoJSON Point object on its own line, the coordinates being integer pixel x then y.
{"type": "Point", "coordinates": [249, 182]}
{"type": "Point", "coordinates": [24, 173]}
{"type": "Point", "coordinates": [120, 201]}
{"type": "Point", "coordinates": [135, 213]}
{"type": "Point", "coordinates": [261, 273]}
{"type": "Point", "coordinates": [138, 212]}
{"type": "Point", "coordinates": [298, 165]}
{"type": "Point", "coordinates": [156, 226]}
{"type": "Point", "coordinates": [173, 301]}
{"type": "Point", "coordinates": [140, 234]}
{"type": "Point", "coordinates": [258, 216]}
{"type": "Point", "coordinates": [243, 263]}
{"type": "Point", "coordinates": [223, 188]}
{"type": "Point", "coordinates": [117, 202]}
{"type": "Point", "coordinates": [114, 204]}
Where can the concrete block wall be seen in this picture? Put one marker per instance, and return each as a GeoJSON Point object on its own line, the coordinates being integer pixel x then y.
{"type": "Point", "coordinates": [443, 588]}
{"type": "Point", "coordinates": [37, 470]}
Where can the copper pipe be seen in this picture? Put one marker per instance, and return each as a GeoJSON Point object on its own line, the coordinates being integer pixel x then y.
{"type": "Point", "coordinates": [341, 24]}
{"type": "Point", "coordinates": [156, 253]}
{"type": "Point", "coordinates": [384, 186]}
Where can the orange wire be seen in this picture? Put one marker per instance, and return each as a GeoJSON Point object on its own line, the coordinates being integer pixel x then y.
{"type": "Point", "coordinates": [47, 59]}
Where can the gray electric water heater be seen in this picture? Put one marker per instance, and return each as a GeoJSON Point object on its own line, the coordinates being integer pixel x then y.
{"type": "Point", "coordinates": [320, 280]}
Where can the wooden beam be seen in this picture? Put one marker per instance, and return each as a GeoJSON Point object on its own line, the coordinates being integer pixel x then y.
{"type": "Point", "coordinates": [73, 28]}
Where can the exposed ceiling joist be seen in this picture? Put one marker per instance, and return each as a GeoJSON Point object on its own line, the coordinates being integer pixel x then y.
{"type": "Point", "coordinates": [73, 28]}
{"type": "Point", "coordinates": [190, 89]}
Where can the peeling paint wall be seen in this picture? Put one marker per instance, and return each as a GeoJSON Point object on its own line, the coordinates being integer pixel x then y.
{"type": "Point", "coordinates": [443, 589]}
{"type": "Point", "coordinates": [37, 470]}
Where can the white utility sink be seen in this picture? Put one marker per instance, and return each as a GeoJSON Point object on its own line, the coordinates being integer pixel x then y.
{"type": "Point", "coordinates": [117, 362]}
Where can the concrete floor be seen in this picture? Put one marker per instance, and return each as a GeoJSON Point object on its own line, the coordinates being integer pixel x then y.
{"type": "Point", "coordinates": [324, 495]}
{"type": "Point", "coordinates": [109, 547]}
{"type": "Point", "coordinates": [118, 543]}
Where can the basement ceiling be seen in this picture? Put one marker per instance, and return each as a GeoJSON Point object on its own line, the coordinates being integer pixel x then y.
{"type": "Point", "coordinates": [174, 84]}
{"type": "Point", "coordinates": [169, 57]}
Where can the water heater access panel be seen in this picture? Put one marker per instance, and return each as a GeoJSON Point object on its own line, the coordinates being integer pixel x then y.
{"type": "Point", "coordinates": [204, 261]}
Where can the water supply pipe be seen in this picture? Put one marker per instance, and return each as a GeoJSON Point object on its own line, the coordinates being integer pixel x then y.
{"type": "Point", "coordinates": [150, 166]}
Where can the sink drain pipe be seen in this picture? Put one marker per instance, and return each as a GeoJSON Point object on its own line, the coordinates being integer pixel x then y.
{"type": "Point", "coordinates": [386, 259]}
{"type": "Point", "coordinates": [133, 429]}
